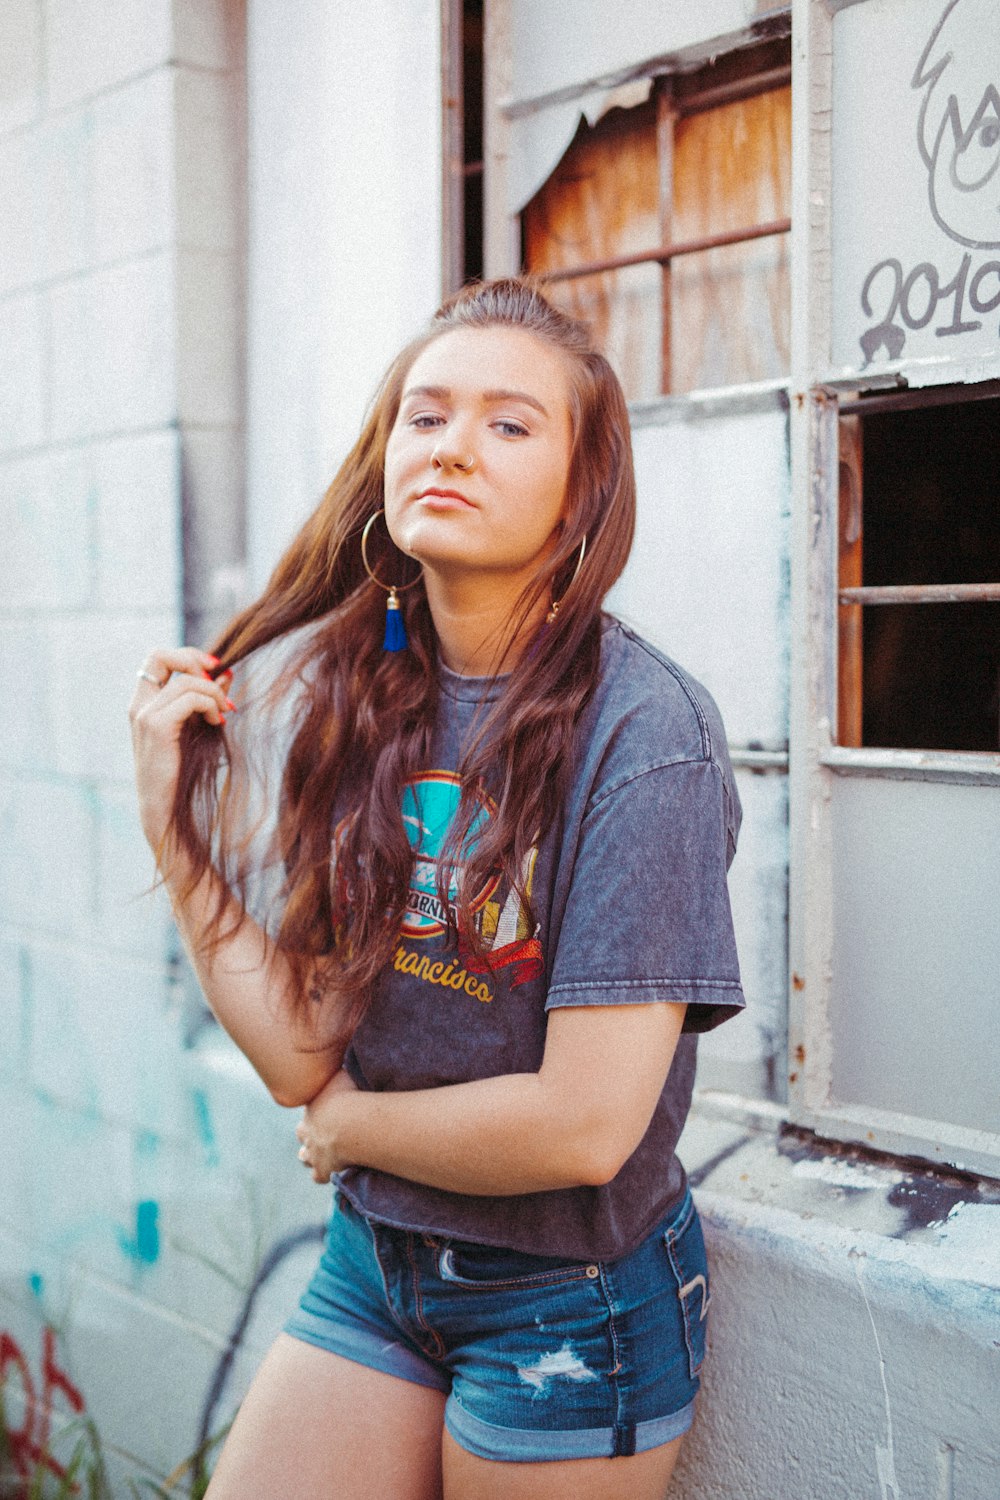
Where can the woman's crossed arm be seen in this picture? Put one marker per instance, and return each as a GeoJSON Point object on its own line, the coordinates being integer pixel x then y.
{"type": "Point", "coordinates": [573, 1123]}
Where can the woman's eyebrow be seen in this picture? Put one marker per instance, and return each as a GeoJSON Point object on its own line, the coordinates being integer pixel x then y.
{"type": "Point", "coordinates": [442, 393]}
{"type": "Point", "coordinates": [492, 396]}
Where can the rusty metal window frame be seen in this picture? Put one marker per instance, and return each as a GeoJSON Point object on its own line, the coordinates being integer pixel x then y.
{"type": "Point", "coordinates": [678, 96]}
{"type": "Point", "coordinates": [815, 761]}
{"type": "Point", "coordinates": [456, 171]}
{"type": "Point", "coordinates": [845, 753]}
{"type": "Point", "coordinates": [664, 254]}
{"type": "Point", "coordinates": [673, 103]}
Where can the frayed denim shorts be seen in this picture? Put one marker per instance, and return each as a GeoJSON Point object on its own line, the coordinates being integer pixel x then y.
{"type": "Point", "coordinates": [541, 1358]}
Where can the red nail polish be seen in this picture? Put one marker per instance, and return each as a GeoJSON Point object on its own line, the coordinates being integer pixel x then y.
{"type": "Point", "coordinates": [231, 706]}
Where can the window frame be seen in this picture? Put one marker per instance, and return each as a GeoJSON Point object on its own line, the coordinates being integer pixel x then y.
{"type": "Point", "coordinates": [502, 231]}
{"type": "Point", "coordinates": [455, 169]}
{"type": "Point", "coordinates": [678, 96]}
{"type": "Point", "coordinates": [853, 595]}
{"type": "Point", "coordinates": [819, 391]}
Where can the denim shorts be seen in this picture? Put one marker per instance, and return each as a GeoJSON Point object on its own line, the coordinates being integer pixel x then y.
{"type": "Point", "coordinates": [541, 1358]}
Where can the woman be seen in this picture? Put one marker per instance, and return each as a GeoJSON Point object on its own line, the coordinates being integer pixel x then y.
{"type": "Point", "coordinates": [484, 987]}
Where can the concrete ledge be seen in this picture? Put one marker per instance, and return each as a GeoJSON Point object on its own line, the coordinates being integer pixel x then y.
{"type": "Point", "coordinates": [855, 1325]}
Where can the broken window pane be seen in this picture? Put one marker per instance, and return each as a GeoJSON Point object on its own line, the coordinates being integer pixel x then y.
{"type": "Point", "coordinates": [928, 674]}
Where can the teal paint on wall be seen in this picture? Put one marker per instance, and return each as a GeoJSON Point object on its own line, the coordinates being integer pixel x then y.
{"type": "Point", "coordinates": [205, 1127]}
{"type": "Point", "coordinates": [145, 1246]}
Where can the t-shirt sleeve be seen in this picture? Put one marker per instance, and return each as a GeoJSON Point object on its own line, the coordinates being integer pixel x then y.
{"type": "Point", "coordinates": [647, 915]}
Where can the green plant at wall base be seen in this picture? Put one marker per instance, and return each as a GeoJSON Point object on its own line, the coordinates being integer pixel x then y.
{"type": "Point", "coordinates": [85, 1475]}
{"type": "Point", "coordinates": [193, 1473]}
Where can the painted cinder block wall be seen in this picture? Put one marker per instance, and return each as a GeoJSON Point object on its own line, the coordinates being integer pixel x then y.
{"type": "Point", "coordinates": [155, 1226]}
{"type": "Point", "coordinates": [139, 1181]}
{"type": "Point", "coordinates": [150, 1208]}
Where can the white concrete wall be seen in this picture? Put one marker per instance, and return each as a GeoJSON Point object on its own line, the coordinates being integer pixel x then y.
{"type": "Point", "coordinates": [147, 1182]}
{"type": "Point", "coordinates": [345, 234]}
{"type": "Point", "coordinates": [126, 1141]}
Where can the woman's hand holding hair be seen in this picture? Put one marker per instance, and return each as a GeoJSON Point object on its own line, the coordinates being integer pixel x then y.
{"type": "Point", "coordinates": [158, 714]}
{"type": "Point", "coordinates": [245, 978]}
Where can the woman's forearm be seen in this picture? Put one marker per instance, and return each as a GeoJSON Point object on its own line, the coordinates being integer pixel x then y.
{"type": "Point", "coordinates": [573, 1123]}
{"type": "Point", "coordinates": [247, 983]}
{"type": "Point", "coordinates": [491, 1137]}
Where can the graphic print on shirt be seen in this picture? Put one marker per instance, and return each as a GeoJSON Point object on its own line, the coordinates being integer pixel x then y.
{"type": "Point", "coordinates": [430, 803]}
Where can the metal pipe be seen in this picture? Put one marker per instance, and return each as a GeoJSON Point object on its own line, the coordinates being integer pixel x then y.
{"type": "Point", "coordinates": [734, 91]}
{"type": "Point", "coordinates": [923, 593]}
{"type": "Point", "coordinates": [667, 253]}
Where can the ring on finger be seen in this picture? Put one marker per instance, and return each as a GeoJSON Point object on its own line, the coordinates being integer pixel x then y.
{"type": "Point", "coordinates": [157, 682]}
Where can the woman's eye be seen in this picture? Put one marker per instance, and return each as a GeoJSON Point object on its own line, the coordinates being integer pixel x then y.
{"type": "Point", "coordinates": [510, 428]}
{"type": "Point", "coordinates": [425, 419]}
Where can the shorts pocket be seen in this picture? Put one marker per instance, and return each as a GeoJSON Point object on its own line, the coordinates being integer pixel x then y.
{"type": "Point", "coordinates": [490, 1268]}
{"type": "Point", "coordinates": [685, 1247]}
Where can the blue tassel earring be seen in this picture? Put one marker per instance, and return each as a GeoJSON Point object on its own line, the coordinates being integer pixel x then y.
{"type": "Point", "coordinates": [395, 627]}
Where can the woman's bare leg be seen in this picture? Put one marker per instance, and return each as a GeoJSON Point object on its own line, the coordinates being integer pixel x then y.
{"type": "Point", "coordinates": [315, 1426]}
{"type": "Point", "coordinates": [643, 1477]}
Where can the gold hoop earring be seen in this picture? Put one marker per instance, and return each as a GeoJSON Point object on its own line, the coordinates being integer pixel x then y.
{"type": "Point", "coordinates": [395, 628]}
{"type": "Point", "coordinates": [554, 607]}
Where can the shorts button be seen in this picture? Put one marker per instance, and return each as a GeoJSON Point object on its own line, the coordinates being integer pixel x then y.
{"type": "Point", "coordinates": [593, 1271]}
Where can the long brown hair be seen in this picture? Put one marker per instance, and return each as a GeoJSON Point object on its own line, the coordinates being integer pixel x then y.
{"type": "Point", "coordinates": [366, 716]}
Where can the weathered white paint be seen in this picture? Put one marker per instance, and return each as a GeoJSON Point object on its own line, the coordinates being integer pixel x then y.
{"type": "Point", "coordinates": [563, 72]}
{"type": "Point", "coordinates": [840, 1173]}
{"type": "Point", "coordinates": [713, 513]}
{"type": "Point", "coordinates": [344, 250]}
{"type": "Point", "coordinates": [921, 934]}
{"type": "Point", "coordinates": [553, 52]}
{"type": "Point", "coordinates": [747, 1056]}
{"type": "Point", "coordinates": [915, 75]}
{"type": "Point", "coordinates": [839, 1300]}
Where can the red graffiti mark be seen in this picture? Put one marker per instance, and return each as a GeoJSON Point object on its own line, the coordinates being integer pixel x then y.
{"type": "Point", "coordinates": [29, 1443]}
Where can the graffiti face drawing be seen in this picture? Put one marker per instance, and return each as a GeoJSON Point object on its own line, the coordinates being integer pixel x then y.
{"type": "Point", "coordinates": [959, 124]}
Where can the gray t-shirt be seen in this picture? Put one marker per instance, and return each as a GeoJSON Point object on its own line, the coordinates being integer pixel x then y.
{"type": "Point", "coordinates": [628, 890]}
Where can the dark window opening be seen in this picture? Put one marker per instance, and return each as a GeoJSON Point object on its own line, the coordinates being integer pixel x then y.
{"type": "Point", "coordinates": [472, 155]}
{"type": "Point", "coordinates": [920, 507]}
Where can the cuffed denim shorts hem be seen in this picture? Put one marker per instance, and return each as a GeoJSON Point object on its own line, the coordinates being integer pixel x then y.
{"type": "Point", "coordinates": [529, 1445]}
{"type": "Point", "coordinates": [540, 1358]}
{"type": "Point", "coordinates": [366, 1346]}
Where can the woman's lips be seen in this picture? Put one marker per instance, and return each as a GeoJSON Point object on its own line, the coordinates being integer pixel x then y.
{"type": "Point", "coordinates": [444, 500]}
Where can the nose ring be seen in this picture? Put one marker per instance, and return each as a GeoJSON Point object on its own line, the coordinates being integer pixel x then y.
{"type": "Point", "coordinates": [465, 464]}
